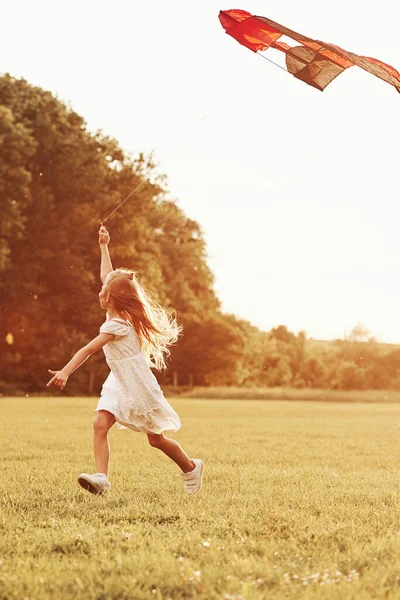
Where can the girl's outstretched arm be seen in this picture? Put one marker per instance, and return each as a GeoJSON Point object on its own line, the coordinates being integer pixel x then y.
{"type": "Point", "coordinates": [60, 377]}
{"type": "Point", "coordinates": [105, 264]}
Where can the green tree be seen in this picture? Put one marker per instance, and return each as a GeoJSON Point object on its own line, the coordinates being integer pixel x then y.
{"type": "Point", "coordinates": [16, 148]}
{"type": "Point", "coordinates": [57, 181]}
{"type": "Point", "coordinates": [350, 377]}
{"type": "Point", "coordinates": [209, 352]}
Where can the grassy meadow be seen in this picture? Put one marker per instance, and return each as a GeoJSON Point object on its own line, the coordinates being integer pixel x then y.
{"type": "Point", "coordinates": [300, 501]}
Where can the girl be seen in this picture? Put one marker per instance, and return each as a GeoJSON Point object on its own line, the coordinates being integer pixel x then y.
{"type": "Point", "coordinates": [135, 336]}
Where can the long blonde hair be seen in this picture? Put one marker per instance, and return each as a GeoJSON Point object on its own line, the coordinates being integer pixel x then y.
{"type": "Point", "coordinates": [155, 328]}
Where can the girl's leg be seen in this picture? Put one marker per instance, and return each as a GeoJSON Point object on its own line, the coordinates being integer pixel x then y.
{"type": "Point", "coordinates": [103, 421]}
{"type": "Point", "coordinates": [172, 449]}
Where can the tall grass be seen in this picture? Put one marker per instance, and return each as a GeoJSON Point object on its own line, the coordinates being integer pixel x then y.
{"type": "Point", "coordinates": [280, 393]}
{"type": "Point", "coordinates": [300, 501]}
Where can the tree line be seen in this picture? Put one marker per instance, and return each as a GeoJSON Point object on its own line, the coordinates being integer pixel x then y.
{"type": "Point", "coordinates": [57, 181]}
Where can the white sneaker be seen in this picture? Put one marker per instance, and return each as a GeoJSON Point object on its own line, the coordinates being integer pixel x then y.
{"type": "Point", "coordinates": [194, 479]}
{"type": "Point", "coordinates": [95, 484]}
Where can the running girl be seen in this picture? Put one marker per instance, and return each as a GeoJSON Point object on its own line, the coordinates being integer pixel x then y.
{"type": "Point", "coordinates": [135, 336]}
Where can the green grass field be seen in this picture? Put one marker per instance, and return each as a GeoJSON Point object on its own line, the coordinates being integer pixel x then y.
{"type": "Point", "coordinates": [300, 500]}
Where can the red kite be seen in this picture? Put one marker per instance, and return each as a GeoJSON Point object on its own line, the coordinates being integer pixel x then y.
{"type": "Point", "coordinates": [314, 62]}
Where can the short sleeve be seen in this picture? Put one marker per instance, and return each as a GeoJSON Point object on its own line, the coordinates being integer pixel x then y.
{"type": "Point", "coordinates": [115, 327]}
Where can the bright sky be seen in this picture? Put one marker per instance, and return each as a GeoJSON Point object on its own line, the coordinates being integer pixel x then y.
{"type": "Point", "coordinates": [296, 190]}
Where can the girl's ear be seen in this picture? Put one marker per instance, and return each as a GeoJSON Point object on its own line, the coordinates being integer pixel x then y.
{"type": "Point", "coordinates": [108, 297]}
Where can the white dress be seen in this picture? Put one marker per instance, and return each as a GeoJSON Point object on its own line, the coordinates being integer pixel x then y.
{"type": "Point", "coordinates": [131, 391]}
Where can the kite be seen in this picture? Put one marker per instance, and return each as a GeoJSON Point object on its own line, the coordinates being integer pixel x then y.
{"type": "Point", "coordinates": [314, 62]}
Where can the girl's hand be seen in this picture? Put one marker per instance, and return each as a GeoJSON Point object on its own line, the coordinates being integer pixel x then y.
{"type": "Point", "coordinates": [60, 379]}
{"type": "Point", "coordinates": [104, 236]}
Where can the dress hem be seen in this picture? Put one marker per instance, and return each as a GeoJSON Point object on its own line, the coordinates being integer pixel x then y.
{"type": "Point", "coordinates": [140, 428]}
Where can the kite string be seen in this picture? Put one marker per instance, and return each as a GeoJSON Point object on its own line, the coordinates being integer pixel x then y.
{"type": "Point", "coordinates": [272, 62]}
{"type": "Point", "coordinates": [140, 184]}
{"type": "Point", "coordinates": [121, 203]}
{"type": "Point", "coordinates": [127, 198]}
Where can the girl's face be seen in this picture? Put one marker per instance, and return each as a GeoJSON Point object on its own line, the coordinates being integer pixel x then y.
{"type": "Point", "coordinates": [104, 297]}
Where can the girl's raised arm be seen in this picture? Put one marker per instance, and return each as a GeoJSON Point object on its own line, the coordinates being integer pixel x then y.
{"type": "Point", "coordinates": [105, 264]}
{"type": "Point", "coordinates": [60, 377]}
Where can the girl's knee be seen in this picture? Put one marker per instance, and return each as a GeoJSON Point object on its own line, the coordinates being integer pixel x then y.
{"type": "Point", "coordinates": [103, 421]}
{"type": "Point", "coordinates": [155, 440]}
